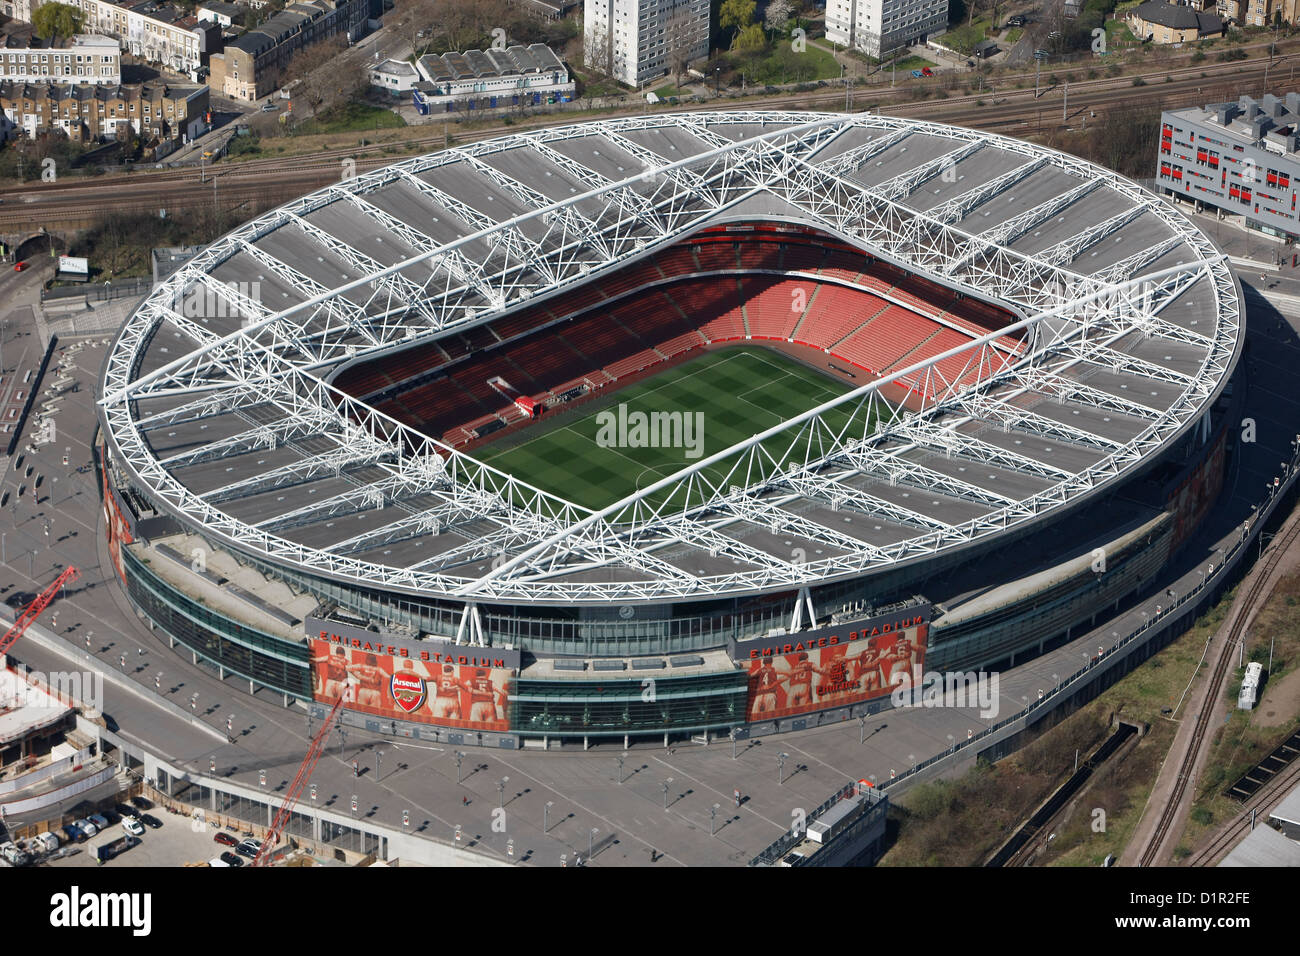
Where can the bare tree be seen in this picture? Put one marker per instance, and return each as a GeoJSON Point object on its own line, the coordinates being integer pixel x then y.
{"type": "Point", "coordinates": [680, 41]}
{"type": "Point", "coordinates": [598, 53]}
{"type": "Point", "coordinates": [317, 77]}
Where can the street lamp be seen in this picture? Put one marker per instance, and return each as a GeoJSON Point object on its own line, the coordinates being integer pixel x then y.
{"type": "Point", "coordinates": [459, 757]}
{"type": "Point", "coordinates": [713, 814]}
{"type": "Point", "coordinates": [665, 786]}
{"type": "Point", "coordinates": [780, 767]}
{"type": "Point", "coordinates": [501, 791]}
{"type": "Point", "coordinates": [591, 836]}
{"type": "Point", "coordinates": [952, 743]}
{"type": "Point", "coordinates": [546, 816]}
{"type": "Point", "coordinates": [620, 760]}
{"type": "Point", "coordinates": [379, 755]}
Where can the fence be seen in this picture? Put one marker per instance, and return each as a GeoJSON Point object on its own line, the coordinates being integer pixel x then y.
{"type": "Point", "coordinates": [1062, 693]}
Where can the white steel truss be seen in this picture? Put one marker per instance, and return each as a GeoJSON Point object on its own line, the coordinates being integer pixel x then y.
{"type": "Point", "coordinates": [548, 550]}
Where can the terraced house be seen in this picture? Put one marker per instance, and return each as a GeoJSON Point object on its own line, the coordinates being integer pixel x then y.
{"type": "Point", "coordinates": [251, 66]}
{"type": "Point", "coordinates": [84, 59]}
{"type": "Point", "coordinates": [87, 114]}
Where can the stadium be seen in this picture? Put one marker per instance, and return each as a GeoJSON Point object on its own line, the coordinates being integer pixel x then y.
{"type": "Point", "coordinates": [667, 425]}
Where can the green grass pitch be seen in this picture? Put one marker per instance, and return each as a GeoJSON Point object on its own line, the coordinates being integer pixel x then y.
{"type": "Point", "coordinates": [739, 391]}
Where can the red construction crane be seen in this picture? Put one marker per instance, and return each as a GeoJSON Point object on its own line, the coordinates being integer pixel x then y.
{"type": "Point", "coordinates": [35, 608]}
{"type": "Point", "coordinates": [295, 789]}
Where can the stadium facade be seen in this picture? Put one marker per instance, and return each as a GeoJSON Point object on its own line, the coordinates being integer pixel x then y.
{"type": "Point", "coordinates": [1025, 357]}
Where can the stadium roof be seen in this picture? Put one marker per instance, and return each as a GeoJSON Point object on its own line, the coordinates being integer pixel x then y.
{"type": "Point", "coordinates": [217, 400]}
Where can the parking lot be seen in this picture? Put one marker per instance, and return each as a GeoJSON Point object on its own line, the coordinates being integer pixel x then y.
{"type": "Point", "coordinates": [180, 840]}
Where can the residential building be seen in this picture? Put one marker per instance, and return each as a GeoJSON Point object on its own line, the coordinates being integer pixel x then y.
{"type": "Point", "coordinates": [1238, 157]}
{"type": "Point", "coordinates": [218, 11]}
{"type": "Point", "coordinates": [252, 66]}
{"type": "Point", "coordinates": [85, 59]}
{"type": "Point", "coordinates": [155, 111]}
{"type": "Point", "coordinates": [636, 41]}
{"type": "Point", "coordinates": [1163, 22]}
{"type": "Point", "coordinates": [878, 26]}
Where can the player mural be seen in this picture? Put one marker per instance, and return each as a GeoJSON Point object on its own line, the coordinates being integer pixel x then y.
{"type": "Point", "coordinates": [428, 682]}
{"type": "Point", "coordinates": [832, 667]}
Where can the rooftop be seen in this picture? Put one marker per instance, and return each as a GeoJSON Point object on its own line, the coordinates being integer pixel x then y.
{"type": "Point", "coordinates": [1177, 17]}
{"type": "Point", "coordinates": [1271, 122]}
{"type": "Point", "coordinates": [1264, 846]}
{"type": "Point", "coordinates": [378, 506]}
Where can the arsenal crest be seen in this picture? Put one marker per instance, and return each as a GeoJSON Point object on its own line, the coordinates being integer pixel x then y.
{"type": "Point", "coordinates": [408, 691]}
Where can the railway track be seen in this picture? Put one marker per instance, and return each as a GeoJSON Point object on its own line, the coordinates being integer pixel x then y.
{"type": "Point", "coordinates": [1263, 802]}
{"type": "Point", "coordinates": [1257, 593]}
{"type": "Point", "coordinates": [1010, 108]}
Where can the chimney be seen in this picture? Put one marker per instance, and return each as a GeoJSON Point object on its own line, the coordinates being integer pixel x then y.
{"type": "Point", "coordinates": [1259, 125]}
{"type": "Point", "coordinates": [1293, 142]}
{"type": "Point", "coordinates": [1224, 112]}
{"type": "Point", "coordinates": [1269, 103]}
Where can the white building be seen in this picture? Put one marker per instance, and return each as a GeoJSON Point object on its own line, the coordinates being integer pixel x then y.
{"type": "Point", "coordinates": [87, 59]}
{"type": "Point", "coordinates": [150, 30]}
{"type": "Point", "coordinates": [878, 26]}
{"type": "Point", "coordinates": [636, 41]}
{"type": "Point", "coordinates": [491, 79]}
{"type": "Point", "coordinates": [395, 76]}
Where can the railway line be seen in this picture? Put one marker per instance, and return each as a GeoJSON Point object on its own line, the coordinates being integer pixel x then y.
{"type": "Point", "coordinates": [1260, 805]}
{"type": "Point", "coordinates": [74, 204]}
{"type": "Point", "coordinates": [1257, 593]}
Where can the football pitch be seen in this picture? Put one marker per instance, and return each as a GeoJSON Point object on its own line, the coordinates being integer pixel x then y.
{"type": "Point", "coordinates": [606, 450]}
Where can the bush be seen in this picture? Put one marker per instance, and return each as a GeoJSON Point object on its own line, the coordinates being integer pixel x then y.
{"type": "Point", "coordinates": [1138, 81]}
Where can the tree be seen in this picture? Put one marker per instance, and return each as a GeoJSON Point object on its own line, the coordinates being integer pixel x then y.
{"type": "Point", "coordinates": [598, 53]}
{"type": "Point", "coordinates": [679, 36]}
{"type": "Point", "coordinates": [317, 84]}
{"type": "Point", "coordinates": [736, 15]}
{"type": "Point", "coordinates": [751, 39]}
{"type": "Point", "coordinates": [778, 13]}
{"type": "Point", "coordinates": [52, 20]}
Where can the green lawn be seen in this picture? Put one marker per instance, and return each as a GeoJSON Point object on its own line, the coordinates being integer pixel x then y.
{"type": "Point", "coordinates": [738, 391]}
{"type": "Point", "coordinates": [910, 63]}
{"type": "Point", "coordinates": [350, 117]}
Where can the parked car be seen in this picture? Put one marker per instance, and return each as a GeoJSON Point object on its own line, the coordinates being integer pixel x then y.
{"type": "Point", "coordinates": [249, 848]}
{"type": "Point", "coordinates": [15, 856]}
{"type": "Point", "coordinates": [926, 71]}
{"type": "Point", "coordinates": [86, 827]}
{"type": "Point", "coordinates": [141, 803]}
{"type": "Point", "coordinates": [231, 860]}
{"type": "Point", "coordinates": [99, 820]}
{"type": "Point", "coordinates": [48, 841]}
{"type": "Point", "coordinates": [918, 74]}
{"type": "Point", "coordinates": [123, 810]}
{"type": "Point", "coordinates": [269, 107]}
{"type": "Point", "coordinates": [132, 826]}
{"type": "Point", "coordinates": [225, 839]}
{"type": "Point", "coordinates": [149, 820]}
{"type": "Point", "coordinates": [72, 834]}
{"type": "Point", "coordinates": [19, 266]}
{"type": "Point", "coordinates": [218, 861]}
